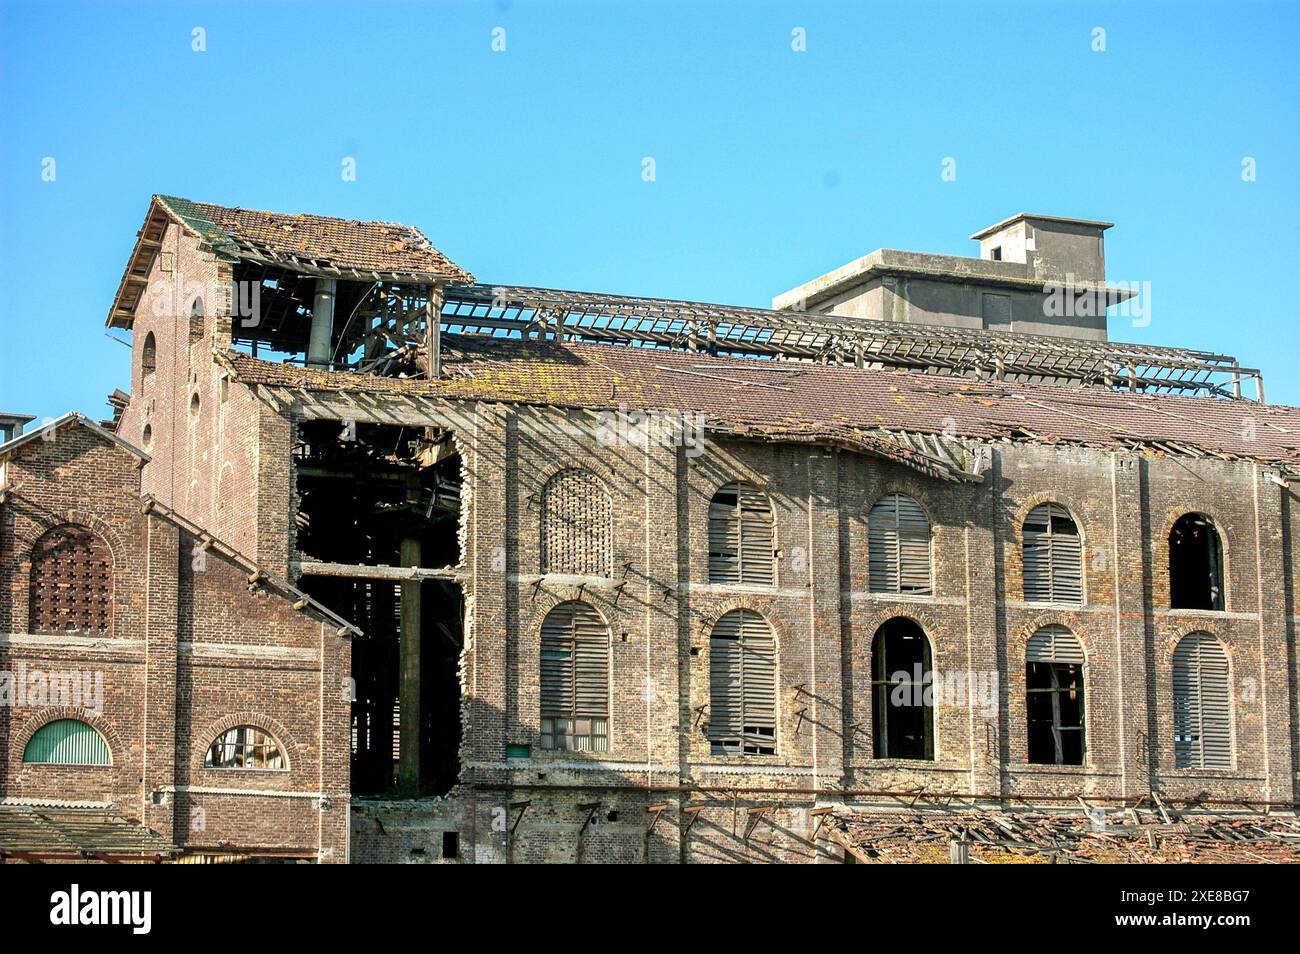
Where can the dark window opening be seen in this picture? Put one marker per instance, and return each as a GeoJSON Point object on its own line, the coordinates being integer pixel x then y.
{"type": "Point", "coordinates": [902, 692]}
{"type": "Point", "coordinates": [996, 253]}
{"type": "Point", "coordinates": [1195, 564]}
{"type": "Point", "coordinates": [1055, 713]}
{"type": "Point", "coordinates": [450, 844]}
{"type": "Point", "coordinates": [148, 355]}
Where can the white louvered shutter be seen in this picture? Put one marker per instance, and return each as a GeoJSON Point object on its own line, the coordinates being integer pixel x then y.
{"type": "Point", "coordinates": [1053, 556]}
{"type": "Point", "coordinates": [742, 684]}
{"type": "Point", "coordinates": [740, 536]}
{"type": "Point", "coordinates": [1054, 644]}
{"type": "Point", "coordinates": [898, 542]}
{"type": "Point", "coordinates": [575, 674]}
{"type": "Point", "coordinates": [1202, 704]}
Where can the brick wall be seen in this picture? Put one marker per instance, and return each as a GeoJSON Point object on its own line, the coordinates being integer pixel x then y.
{"type": "Point", "coordinates": [193, 649]}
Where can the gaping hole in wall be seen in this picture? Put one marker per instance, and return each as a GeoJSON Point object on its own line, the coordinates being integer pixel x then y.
{"type": "Point", "coordinates": [902, 691]}
{"type": "Point", "coordinates": [377, 539]}
{"type": "Point", "coordinates": [283, 315]}
{"type": "Point", "coordinates": [1195, 564]}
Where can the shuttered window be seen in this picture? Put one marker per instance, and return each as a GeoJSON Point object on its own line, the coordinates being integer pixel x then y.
{"type": "Point", "coordinates": [740, 536]}
{"type": "Point", "coordinates": [1053, 564]}
{"type": "Point", "coordinates": [71, 582]}
{"type": "Point", "coordinates": [742, 685]}
{"type": "Point", "coordinates": [577, 525]}
{"type": "Point", "coordinates": [899, 543]}
{"type": "Point", "coordinates": [1202, 704]}
{"type": "Point", "coordinates": [1054, 697]}
{"type": "Point", "coordinates": [575, 679]}
{"type": "Point", "coordinates": [66, 742]}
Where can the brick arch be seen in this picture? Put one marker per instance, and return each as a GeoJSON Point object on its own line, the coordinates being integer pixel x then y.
{"type": "Point", "coordinates": [44, 522]}
{"type": "Point", "coordinates": [1017, 643]}
{"type": "Point", "coordinates": [547, 602]}
{"type": "Point", "coordinates": [258, 720]}
{"type": "Point", "coordinates": [708, 619]}
{"type": "Point", "coordinates": [894, 486]}
{"type": "Point", "coordinates": [1174, 635]}
{"type": "Point", "coordinates": [1027, 504]}
{"type": "Point", "coordinates": [47, 714]}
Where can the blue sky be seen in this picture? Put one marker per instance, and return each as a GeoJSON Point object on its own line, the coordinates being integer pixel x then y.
{"type": "Point", "coordinates": [772, 166]}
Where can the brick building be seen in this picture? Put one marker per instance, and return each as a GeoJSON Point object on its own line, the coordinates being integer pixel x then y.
{"type": "Point", "coordinates": [668, 581]}
{"type": "Point", "coordinates": [163, 696]}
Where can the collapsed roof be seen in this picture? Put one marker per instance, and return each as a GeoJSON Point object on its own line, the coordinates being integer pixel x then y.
{"type": "Point", "coordinates": [305, 244]}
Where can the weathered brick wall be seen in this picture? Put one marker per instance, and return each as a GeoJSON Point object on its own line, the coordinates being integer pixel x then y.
{"type": "Point", "coordinates": [825, 617]}
{"type": "Point", "coordinates": [193, 649]}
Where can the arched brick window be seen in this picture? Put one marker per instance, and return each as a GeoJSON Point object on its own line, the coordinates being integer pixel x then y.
{"type": "Point", "coordinates": [71, 582]}
{"type": "Point", "coordinates": [1053, 556]}
{"type": "Point", "coordinates": [245, 747]}
{"type": "Point", "coordinates": [1195, 564]}
{"type": "Point", "coordinates": [742, 685]}
{"type": "Point", "coordinates": [148, 355]}
{"type": "Point", "coordinates": [1202, 704]}
{"type": "Point", "coordinates": [902, 700]}
{"type": "Point", "coordinates": [740, 536]}
{"type": "Point", "coordinates": [899, 541]}
{"type": "Point", "coordinates": [577, 525]}
{"type": "Point", "coordinates": [196, 320]}
{"type": "Point", "coordinates": [66, 742]}
{"type": "Point", "coordinates": [575, 679]}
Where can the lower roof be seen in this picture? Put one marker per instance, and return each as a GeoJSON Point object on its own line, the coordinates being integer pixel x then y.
{"type": "Point", "coordinates": [800, 397]}
{"type": "Point", "coordinates": [74, 833]}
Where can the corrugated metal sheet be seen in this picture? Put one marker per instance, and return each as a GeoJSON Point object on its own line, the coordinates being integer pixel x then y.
{"type": "Point", "coordinates": [1054, 644]}
{"type": "Point", "coordinates": [1202, 704]}
{"type": "Point", "coordinates": [742, 685]}
{"type": "Point", "coordinates": [577, 525]}
{"type": "Point", "coordinates": [67, 742]}
{"type": "Point", "coordinates": [574, 677]}
{"type": "Point", "coordinates": [740, 536]}
{"type": "Point", "coordinates": [1053, 564]}
{"type": "Point", "coordinates": [899, 546]}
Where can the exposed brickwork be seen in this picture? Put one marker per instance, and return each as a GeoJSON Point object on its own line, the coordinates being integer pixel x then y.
{"type": "Point", "coordinates": [192, 649]}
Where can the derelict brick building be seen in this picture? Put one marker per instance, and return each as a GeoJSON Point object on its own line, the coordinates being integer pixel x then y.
{"type": "Point", "coordinates": [656, 580]}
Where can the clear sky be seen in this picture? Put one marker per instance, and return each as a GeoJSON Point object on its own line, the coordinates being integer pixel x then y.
{"type": "Point", "coordinates": [772, 165]}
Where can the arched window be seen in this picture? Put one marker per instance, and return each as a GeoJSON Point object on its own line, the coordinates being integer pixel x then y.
{"type": "Point", "coordinates": [66, 742]}
{"type": "Point", "coordinates": [740, 536]}
{"type": "Point", "coordinates": [1202, 704]}
{"type": "Point", "coordinates": [902, 691]}
{"type": "Point", "coordinates": [148, 355]}
{"type": "Point", "coordinates": [1054, 697]}
{"type": "Point", "coordinates": [742, 685]}
{"type": "Point", "coordinates": [196, 320]}
{"type": "Point", "coordinates": [71, 582]}
{"type": "Point", "coordinates": [1053, 557]}
{"type": "Point", "coordinates": [245, 747]}
{"type": "Point", "coordinates": [1195, 564]}
{"type": "Point", "coordinates": [575, 679]}
{"type": "Point", "coordinates": [899, 542]}
{"type": "Point", "coordinates": [577, 525]}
